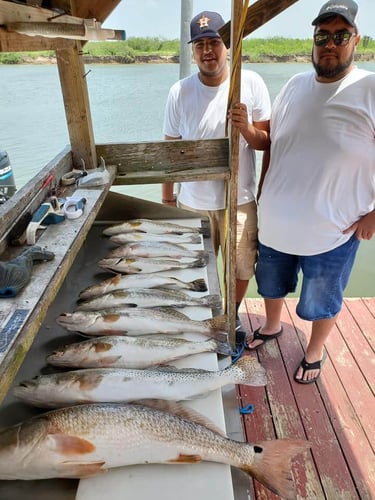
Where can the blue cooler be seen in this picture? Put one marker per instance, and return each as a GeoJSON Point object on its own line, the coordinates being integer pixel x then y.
{"type": "Point", "coordinates": [7, 183]}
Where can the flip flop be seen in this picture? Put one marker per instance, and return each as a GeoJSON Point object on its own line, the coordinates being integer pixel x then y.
{"type": "Point", "coordinates": [264, 338]}
{"type": "Point", "coordinates": [316, 365]}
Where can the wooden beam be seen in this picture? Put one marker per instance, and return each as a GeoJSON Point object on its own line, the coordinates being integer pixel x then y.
{"type": "Point", "coordinates": [257, 15]}
{"type": "Point", "coordinates": [14, 42]}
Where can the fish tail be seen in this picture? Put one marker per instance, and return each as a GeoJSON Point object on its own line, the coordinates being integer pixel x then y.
{"type": "Point", "coordinates": [271, 465]}
{"type": "Point", "coordinates": [248, 371]}
{"type": "Point", "coordinates": [218, 322]}
{"type": "Point", "coordinates": [201, 262]}
{"type": "Point", "coordinates": [195, 238]}
{"type": "Point", "coordinates": [212, 301]}
{"type": "Point", "coordinates": [223, 348]}
{"type": "Point", "coordinates": [198, 285]}
{"type": "Point", "coordinates": [203, 254]}
{"type": "Point", "coordinates": [218, 335]}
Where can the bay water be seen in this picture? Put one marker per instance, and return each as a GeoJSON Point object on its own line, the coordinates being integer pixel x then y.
{"type": "Point", "coordinates": [127, 105]}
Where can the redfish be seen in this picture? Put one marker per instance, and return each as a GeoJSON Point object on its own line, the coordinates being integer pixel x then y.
{"type": "Point", "coordinates": [86, 440]}
{"type": "Point", "coordinates": [141, 321]}
{"type": "Point", "coordinates": [131, 352]}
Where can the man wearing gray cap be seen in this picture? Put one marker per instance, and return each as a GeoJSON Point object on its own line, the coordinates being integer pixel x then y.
{"type": "Point", "coordinates": [197, 109]}
{"type": "Point", "coordinates": [317, 189]}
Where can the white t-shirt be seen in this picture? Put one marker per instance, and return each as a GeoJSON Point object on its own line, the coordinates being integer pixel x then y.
{"type": "Point", "coordinates": [321, 177]}
{"type": "Point", "coordinates": [196, 111]}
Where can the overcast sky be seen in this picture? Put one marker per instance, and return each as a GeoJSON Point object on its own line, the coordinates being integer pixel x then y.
{"type": "Point", "coordinates": [161, 18]}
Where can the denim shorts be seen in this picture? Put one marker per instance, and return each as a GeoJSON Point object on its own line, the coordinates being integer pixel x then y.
{"type": "Point", "coordinates": [325, 277]}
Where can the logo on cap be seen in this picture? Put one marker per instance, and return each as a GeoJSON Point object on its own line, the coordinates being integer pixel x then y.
{"type": "Point", "coordinates": [203, 22]}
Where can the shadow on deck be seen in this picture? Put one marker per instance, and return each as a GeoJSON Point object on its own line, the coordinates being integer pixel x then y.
{"type": "Point", "coordinates": [336, 414]}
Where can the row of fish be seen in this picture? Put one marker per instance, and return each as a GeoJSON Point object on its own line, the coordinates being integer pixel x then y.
{"type": "Point", "coordinates": [134, 329]}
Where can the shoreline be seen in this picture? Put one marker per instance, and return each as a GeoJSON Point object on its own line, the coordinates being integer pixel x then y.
{"type": "Point", "coordinates": [174, 59]}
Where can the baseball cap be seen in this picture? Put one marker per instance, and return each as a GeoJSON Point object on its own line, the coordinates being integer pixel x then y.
{"type": "Point", "coordinates": [206, 24]}
{"type": "Point", "coordinates": [344, 8]}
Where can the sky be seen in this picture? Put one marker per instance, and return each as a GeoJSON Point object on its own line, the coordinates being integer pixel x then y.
{"type": "Point", "coordinates": [162, 18]}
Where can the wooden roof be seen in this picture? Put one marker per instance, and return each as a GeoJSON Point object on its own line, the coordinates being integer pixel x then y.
{"type": "Point", "coordinates": [34, 12]}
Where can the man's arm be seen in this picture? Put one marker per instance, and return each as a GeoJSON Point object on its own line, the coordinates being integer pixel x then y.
{"type": "Point", "coordinates": [265, 164]}
{"type": "Point", "coordinates": [167, 195]}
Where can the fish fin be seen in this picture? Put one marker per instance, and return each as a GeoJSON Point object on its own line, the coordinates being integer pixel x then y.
{"type": "Point", "coordinates": [185, 459]}
{"type": "Point", "coordinates": [180, 410]}
{"type": "Point", "coordinates": [79, 470]}
{"type": "Point", "coordinates": [108, 362]}
{"type": "Point", "coordinates": [171, 368]}
{"type": "Point", "coordinates": [171, 311]}
{"type": "Point", "coordinates": [251, 372]}
{"type": "Point", "coordinates": [271, 465]}
{"type": "Point", "coordinates": [198, 285]}
{"type": "Point", "coordinates": [218, 322]}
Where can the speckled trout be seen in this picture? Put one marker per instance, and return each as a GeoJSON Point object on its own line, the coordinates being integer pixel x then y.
{"type": "Point", "coordinates": [152, 249]}
{"type": "Point", "coordinates": [149, 226]}
{"type": "Point", "coordinates": [83, 441]}
{"type": "Point", "coordinates": [148, 297]}
{"type": "Point", "coordinates": [133, 265]}
{"type": "Point", "coordinates": [131, 352]}
{"type": "Point", "coordinates": [135, 236]}
{"type": "Point", "coordinates": [122, 385]}
{"type": "Point", "coordinates": [141, 321]}
{"type": "Point", "coordinates": [144, 280]}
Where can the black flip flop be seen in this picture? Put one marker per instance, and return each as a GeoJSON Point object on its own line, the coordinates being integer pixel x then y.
{"type": "Point", "coordinates": [264, 338]}
{"type": "Point", "coordinates": [316, 365]}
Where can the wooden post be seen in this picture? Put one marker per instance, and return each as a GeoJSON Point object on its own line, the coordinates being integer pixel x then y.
{"type": "Point", "coordinates": [236, 45]}
{"type": "Point", "coordinates": [77, 107]}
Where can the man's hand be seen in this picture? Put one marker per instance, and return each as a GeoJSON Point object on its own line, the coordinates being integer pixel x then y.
{"type": "Point", "coordinates": [364, 228]}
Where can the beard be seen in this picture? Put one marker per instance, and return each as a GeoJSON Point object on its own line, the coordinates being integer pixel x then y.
{"type": "Point", "coordinates": [333, 70]}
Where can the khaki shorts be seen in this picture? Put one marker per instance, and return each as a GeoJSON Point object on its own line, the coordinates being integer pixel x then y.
{"type": "Point", "coordinates": [247, 235]}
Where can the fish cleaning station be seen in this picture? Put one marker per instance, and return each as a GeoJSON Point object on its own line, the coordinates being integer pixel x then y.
{"type": "Point", "coordinates": [117, 337]}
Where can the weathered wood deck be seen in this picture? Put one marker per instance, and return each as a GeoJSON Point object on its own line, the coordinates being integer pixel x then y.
{"type": "Point", "coordinates": [337, 414]}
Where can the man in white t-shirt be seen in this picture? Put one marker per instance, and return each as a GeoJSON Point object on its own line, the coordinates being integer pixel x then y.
{"type": "Point", "coordinates": [317, 190]}
{"type": "Point", "coordinates": [197, 109]}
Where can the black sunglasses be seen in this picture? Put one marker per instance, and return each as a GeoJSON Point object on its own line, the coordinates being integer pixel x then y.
{"type": "Point", "coordinates": [340, 39]}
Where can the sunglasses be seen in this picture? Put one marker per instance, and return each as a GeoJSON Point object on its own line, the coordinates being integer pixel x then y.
{"type": "Point", "coordinates": [340, 39]}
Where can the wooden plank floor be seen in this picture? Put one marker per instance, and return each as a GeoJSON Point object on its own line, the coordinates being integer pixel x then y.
{"type": "Point", "coordinates": [336, 414]}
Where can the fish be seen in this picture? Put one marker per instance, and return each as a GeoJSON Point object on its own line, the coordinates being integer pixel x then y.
{"type": "Point", "coordinates": [149, 226]}
{"type": "Point", "coordinates": [136, 236]}
{"type": "Point", "coordinates": [147, 297]}
{"type": "Point", "coordinates": [154, 249]}
{"type": "Point", "coordinates": [131, 352]}
{"type": "Point", "coordinates": [122, 385]}
{"type": "Point", "coordinates": [134, 265]}
{"type": "Point", "coordinates": [141, 321]}
{"type": "Point", "coordinates": [83, 441]}
{"type": "Point", "coordinates": [145, 280]}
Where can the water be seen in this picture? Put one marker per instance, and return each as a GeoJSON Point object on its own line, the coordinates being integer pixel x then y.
{"type": "Point", "coordinates": [127, 105]}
